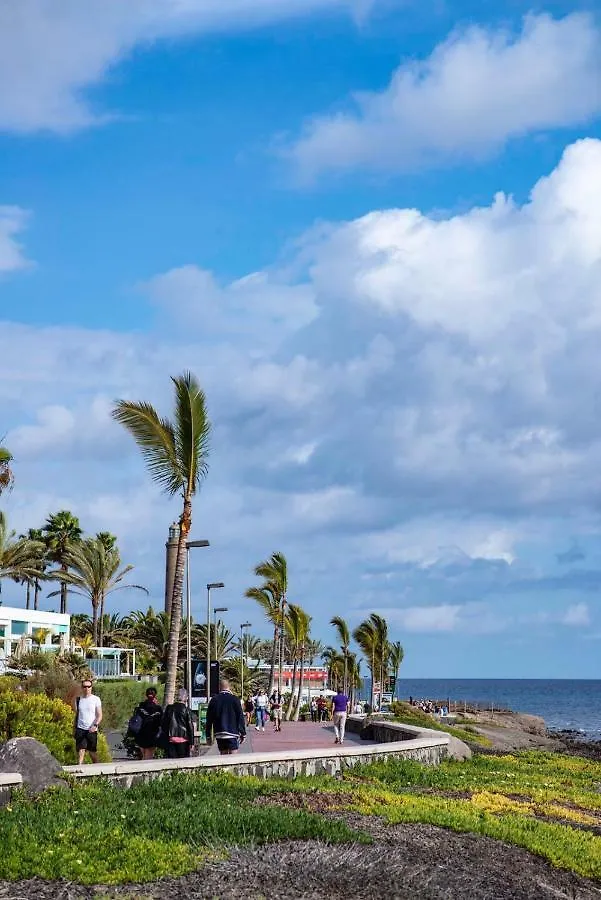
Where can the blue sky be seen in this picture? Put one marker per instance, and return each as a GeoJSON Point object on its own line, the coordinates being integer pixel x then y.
{"type": "Point", "coordinates": [372, 231]}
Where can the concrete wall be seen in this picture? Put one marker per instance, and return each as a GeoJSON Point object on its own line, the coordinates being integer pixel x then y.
{"type": "Point", "coordinates": [428, 750]}
{"type": "Point", "coordinates": [8, 783]}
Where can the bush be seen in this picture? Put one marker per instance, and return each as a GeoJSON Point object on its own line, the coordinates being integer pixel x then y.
{"type": "Point", "coordinates": [118, 700]}
{"type": "Point", "coordinates": [49, 721]}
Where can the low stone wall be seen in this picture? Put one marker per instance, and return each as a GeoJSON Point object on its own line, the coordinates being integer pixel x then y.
{"type": "Point", "coordinates": [430, 750]}
{"type": "Point", "coordinates": [8, 783]}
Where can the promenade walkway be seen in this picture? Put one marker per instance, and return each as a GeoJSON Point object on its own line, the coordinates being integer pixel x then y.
{"type": "Point", "coordinates": [293, 736]}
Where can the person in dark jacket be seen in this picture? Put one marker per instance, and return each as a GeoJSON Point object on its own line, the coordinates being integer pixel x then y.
{"type": "Point", "coordinates": [178, 729]}
{"type": "Point", "coordinates": [226, 720]}
{"type": "Point", "coordinates": [151, 714]}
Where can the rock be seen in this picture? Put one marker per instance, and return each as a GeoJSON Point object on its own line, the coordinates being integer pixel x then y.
{"type": "Point", "coordinates": [39, 768]}
{"type": "Point", "coordinates": [457, 749]}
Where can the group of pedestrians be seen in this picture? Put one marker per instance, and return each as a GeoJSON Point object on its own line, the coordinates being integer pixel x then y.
{"type": "Point", "coordinates": [171, 728]}
{"type": "Point", "coordinates": [263, 708]}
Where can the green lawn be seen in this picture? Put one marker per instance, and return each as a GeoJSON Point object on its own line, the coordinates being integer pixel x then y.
{"type": "Point", "coordinates": [95, 833]}
{"type": "Point", "coordinates": [411, 715]}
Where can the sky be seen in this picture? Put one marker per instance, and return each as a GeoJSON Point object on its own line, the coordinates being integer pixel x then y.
{"type": "Point", "coordinates": [373, 232]}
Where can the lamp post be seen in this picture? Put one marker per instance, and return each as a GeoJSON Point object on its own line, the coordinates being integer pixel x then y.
{"type": "Point", "coordinates": [217, 609]}
{"type": "Point", "coordinates": [242, 627]}
{"type": "Point", "coordinates": [210, 587]}
{"type": "Point", "coordinates": [189, 546]}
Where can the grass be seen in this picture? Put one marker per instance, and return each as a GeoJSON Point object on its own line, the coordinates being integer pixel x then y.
{"type": "Point", "coordinates": [411, 715]}
{"type": "Point", "coordinates": [102, 834]}
{"type": "Point", "coordinates": [95, 833]}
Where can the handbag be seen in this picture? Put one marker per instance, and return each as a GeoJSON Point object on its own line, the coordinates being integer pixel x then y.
{"type": "Point", "coordinates": [134, 726]}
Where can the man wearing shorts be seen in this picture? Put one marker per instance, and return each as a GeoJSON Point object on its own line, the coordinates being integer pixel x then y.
{"type": "Point", "coordinates": [226, 720]}
{"type": "Point", "coordinates": [88, 716]}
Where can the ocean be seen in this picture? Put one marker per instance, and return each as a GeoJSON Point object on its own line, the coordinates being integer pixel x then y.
{"type": "Point", "coordinates": [561, 702]}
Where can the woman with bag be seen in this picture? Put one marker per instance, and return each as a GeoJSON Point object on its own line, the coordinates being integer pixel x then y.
{"type": "Point", "coordinates": [145, 724]}
{"type": "Point", "coordinates": [178, 728]}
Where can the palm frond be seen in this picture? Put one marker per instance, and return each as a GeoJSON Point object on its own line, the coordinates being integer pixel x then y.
{"type": "Point", "coordinates": [192, 431]}
{"type": "Point", "coordinates": [156, 439]}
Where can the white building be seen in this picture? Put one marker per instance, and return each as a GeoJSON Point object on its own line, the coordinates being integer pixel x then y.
{"type": "Point", "coordinates": [30, 628]}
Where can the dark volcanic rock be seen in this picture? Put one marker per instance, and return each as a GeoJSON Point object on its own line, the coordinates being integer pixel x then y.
{"type": "Point", "coordinates": [39, 768]}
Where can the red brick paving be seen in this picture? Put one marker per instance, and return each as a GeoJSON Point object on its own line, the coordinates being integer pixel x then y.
{"type": "Point", "coordinates": [293, 736]}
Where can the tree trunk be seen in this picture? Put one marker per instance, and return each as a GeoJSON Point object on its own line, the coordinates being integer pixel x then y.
{"type": "Point", "coordinates": [185, 523]}
{"type": "Point", "coordinates": [28, 595]}
{"type": "Point", "coordinates": [301, 680]}
{"type": "Point", "coordinates": [291, 701]}
{"type": "Point", "coordinates": [36, 594]}
{"type": "Point", "coordinates": [95, 622]}
{"type": "Point", "coordinates": [274, 656]}
{"type": "Point", "coordinates": [64, 568]}
{"type": "Point", "coordinates": [345, 685]}
{"type": "Point", "coordinates": [101, 629]}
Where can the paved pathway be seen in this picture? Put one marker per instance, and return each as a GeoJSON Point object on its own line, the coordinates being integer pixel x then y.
{"type": "Point", "coordinates": [293, 736]}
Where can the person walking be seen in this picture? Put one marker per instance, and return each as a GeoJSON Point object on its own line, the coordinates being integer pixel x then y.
{"type": "Point", "coordinates": [313, 709]}
{"type": "Point", "coordinates": [88, 716]}
{"type": "Point", "coordinates": [178, 728]}
{"type": "Point", "coordinates": [249, 708]}
{"type": "Point", "coordinates": [277, 702]}
{"type": "Point", "coordinates": [226, 720]}
{"type": "Point", "coordinates": [261, 709]}
{"type": "Point", "coordinates": [150, 712]}
{"type": "Point", "coordinates": [339, 711]}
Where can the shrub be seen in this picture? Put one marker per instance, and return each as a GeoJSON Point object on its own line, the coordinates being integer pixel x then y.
{"type": "Point", "coordinates": [119, 700]}
{"type": "Point", "coordinates": [50, 721]}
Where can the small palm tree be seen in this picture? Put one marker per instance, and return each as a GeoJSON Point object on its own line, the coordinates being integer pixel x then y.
{"type": "Point", "coordinates": [150, 632]}
{"type": "Point", "coordinates": [20, 558]}
{"type": "Point", "coordinates": [269, 601]}
{"type": "Point", "coordinates": [344, 636]}
{"type": "Point", "coordinates": [6, 474]}
{"type": "Point", "coordinates": [176, 454]}
{"type": "Point", "coordinates": [274, 572]}
{"type": "Point", "coordinates": [62, 532]}
{"type": "Point", "coordinates": [302, 638]}
{"type": "Point", "coordinates": [397, 655]}
{"type": "Point", "coordinates": [335, 663]}
{"type": "Point", "coordinates": [95, 573]}
{"type": "Point", "coordinates": [372, 637]}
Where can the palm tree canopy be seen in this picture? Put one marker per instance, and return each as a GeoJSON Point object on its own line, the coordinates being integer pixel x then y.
{"type": "Point", "coordinates": [6, 474]}
{"type": "Point", "coordinates": [20, 558]}
{"type": "Point", "coordinates": [61, 531]}
{"type": "Point", "coordinates": [267, 600]}
{"type": "Point", "coordinates": [297, 624]}
{"type": "Point", "coordinates": [175, 453]}
{"type": "Point", "coordinates": [397, 655]}
{"type": "Point", "coordinates": [95, 571]}
{"type": "Point", "coordinates": [274, 571]}
{"type": "Point", "coordinates": [344, 634]}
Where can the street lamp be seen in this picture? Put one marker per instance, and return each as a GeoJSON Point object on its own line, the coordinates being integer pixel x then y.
{"type": "Point", "coordinates": [190, 545]}
{"type": "Point", "coordinates": [242, 627]}
{"type": "Point", "coordinates": [210, 587]}
{"type": "Point", "coordinates": [217, 609]}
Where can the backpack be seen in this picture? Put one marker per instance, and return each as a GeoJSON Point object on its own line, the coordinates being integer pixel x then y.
{"type": "Point", "coordinates": [134, 726]}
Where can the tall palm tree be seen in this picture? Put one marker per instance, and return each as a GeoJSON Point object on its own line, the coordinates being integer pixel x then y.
{"type": "Point", "coordinates": [20, 558]}
{"type": "Point", "coordinates": [397, 655]}
{"type": "Point", "coordinates": [335, 664]}
{"type": "Point", "coordinates": [176, 454]}
{"type": "Point", "coordinates": [344, 636]}
{"type": "Point", "coordinates": [269, 601]}
{"type": "Point", "coordinates": [6, 474]}
{"type": "Point", "coordinates": [62, 532]}
{"type": "Point", "coordinates": [95, 573]}
{"type": "Point", "coordinates": [302, 639]}
{"type": "Point", "coordinates": [274, 571]}
{"type": "Point", "coordinates": [37, 535]}
{"type": "Point", "coordinates": [372, 637]}
{"type": "Point", "coordinates": [295, 626]}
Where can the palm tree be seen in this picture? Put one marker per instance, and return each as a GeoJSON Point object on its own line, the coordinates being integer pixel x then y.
{"type": "Point", "coordinates": [176, 455]}
{"type": "Point", "coordinates": [397, 655]}
{"type": "Point", "coordinates": [274, 571]}
{"type": "Point", "coordinates": [223, 641]}
{"type": "Point", "coordinates": [113, 629]}
{"type": "Point", "coordinates": [6, 474]}
{"type": "Point", "coordinates": [335, 663]}
{"type": "Point", "coordinates": [294, 632]}
{"type": "Point", "coordinates": [37, 535]}
{"type": "Point", "coordinates": [20, 558]}
{"type": "Point", "coordinates": [81, 625]}
{"type": "Point", "coordinates": [95, 573]}
{"type": "Point", "coordinates": [269, 602]}
{"type": "Point", "coordinates": [62, 532]}
{"type": "Point", "coordinates": [150, 631]}
{"type": "Point", "coordinates": [372, 637]}
{"type": "Point", "coordinates": [344, 636]}
{"type": "Point", "coordinates": [302, 638]}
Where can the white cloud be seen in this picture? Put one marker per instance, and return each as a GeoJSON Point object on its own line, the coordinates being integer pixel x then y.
{"type": "Point", "coordinates": [12, 222]}
{"type": "Point", "coordinates": [433, 540]}
{"type": "Point", "coordinates": [69, 45]}
{"type": "Point", "coordinates": [476, 91]}
{"type": "Point", "coordinates": [577, 615]}
{"type": "Point", "coordinates": [468, 618]}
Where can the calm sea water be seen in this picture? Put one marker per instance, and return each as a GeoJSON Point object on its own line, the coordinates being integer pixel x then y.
{"type": "Point", "coordinates": [562, 703]}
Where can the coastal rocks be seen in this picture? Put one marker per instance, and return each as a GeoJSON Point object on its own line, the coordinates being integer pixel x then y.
{"type": "Point", "coordinates": [457, 749]}
{"type": "Point", "coordinates": [32, 760]}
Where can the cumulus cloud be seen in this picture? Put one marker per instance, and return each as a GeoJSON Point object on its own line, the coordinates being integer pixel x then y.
{"type": "Point", "coordinates": [476, 91]}
{"type": "Point", "coordinates": [70, 46]}
{"type": "Point", "coordinates": [426, 407]}
{"type": "Point", "coordinates": [12, 222]}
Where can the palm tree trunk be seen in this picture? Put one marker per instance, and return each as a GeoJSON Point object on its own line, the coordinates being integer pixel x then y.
{"type": "Point", "coordinates": [95, 623]}
{"type": "Point", "coordinates": [36, 594]}
{"type": "Point", "coordinates": [64, 568]}
{"type": "Point", "coordinates": [291, 701]}
{"type": "Point", "coordinates": [301, 684]}
{"type": "Point", "coordinates": [101, 629]}
{"type": "Point", "coordinates": [176, 603]}
{"type": "Point", "coordinates": [28, 595]}
{"type": "Point", "coordinates": [274, 656]}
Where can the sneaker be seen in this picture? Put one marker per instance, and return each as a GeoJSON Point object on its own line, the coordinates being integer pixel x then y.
{"type": "Point", "coordinates": [257, 728]}
{"type": "Point", "coordinates": [336, 741]}
{"type": "Point", "coordinates": [263, 728]}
